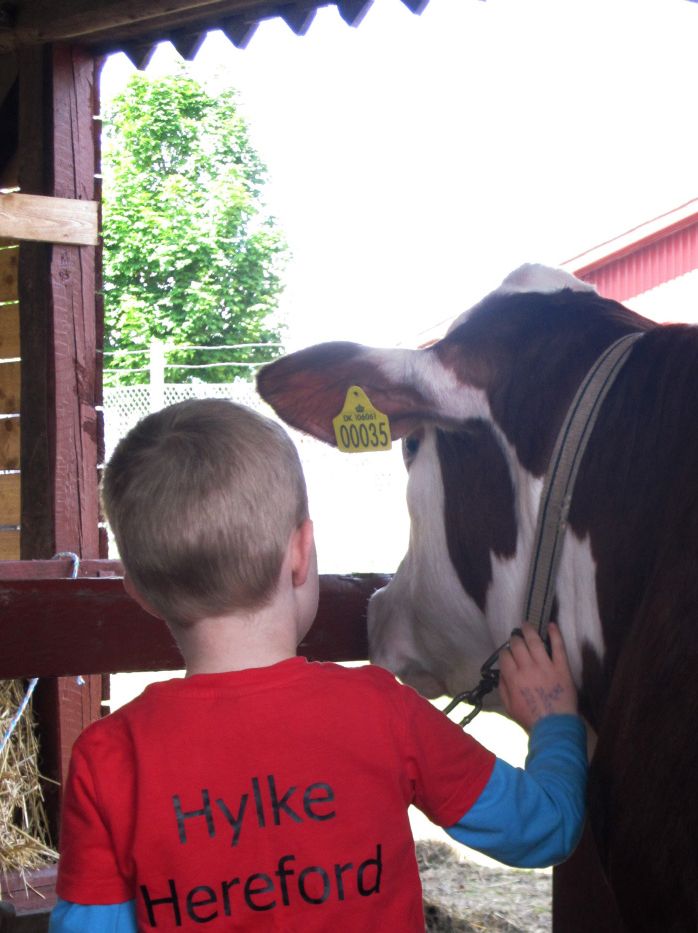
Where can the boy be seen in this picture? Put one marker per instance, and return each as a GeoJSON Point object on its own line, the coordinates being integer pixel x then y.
{"type": "Point", "coordinates": [263, 791]}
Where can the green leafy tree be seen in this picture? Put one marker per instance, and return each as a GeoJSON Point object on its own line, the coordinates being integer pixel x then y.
{"type": "Point", "coordinates": [191, 257]}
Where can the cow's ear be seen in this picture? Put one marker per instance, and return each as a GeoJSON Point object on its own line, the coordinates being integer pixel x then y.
{"type": "Point", "coordinates": [307, 389]}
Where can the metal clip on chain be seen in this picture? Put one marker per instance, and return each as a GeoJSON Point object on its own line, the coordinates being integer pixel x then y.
{"type": "Point", "coordinates": [489, 678]}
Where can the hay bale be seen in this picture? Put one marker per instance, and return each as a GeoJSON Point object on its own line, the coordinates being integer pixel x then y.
{"type": "Point", "coordinates": [24, 836]}
{"type": "Point", "coordinates": [463, 897]}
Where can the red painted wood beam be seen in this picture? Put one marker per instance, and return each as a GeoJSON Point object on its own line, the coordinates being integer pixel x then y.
{"type": "Point", "coordinates": [57, 627]}
{"type": "Point", "coordinates": [28, 895]}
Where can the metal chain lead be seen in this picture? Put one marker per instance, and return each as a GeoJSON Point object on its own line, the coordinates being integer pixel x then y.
{"type": "Point", "coordinates": [489, 678]}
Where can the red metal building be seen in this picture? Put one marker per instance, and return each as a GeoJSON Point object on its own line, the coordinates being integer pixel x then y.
{"type": "Point", "coordinates": [652, 268]}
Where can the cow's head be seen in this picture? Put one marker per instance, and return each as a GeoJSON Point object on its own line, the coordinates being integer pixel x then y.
{"type": "Point", "coordinates": [478, 413]}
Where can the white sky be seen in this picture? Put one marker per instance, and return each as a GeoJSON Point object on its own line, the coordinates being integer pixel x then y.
{"type": "Point", "coordinates": [416, 160]}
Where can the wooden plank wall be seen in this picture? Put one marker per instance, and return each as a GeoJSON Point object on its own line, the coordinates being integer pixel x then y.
{"type": "Point", "coordinates": [9, 402]}
{"type": "Point", "coordinates": [59, 311]}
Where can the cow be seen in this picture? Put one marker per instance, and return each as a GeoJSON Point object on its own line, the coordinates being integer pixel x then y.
{"type": "Point", "coordinates": [478, 412]}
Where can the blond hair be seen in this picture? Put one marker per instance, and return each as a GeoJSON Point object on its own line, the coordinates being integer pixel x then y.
{"type": "Point", "coordinates": [202, 498]}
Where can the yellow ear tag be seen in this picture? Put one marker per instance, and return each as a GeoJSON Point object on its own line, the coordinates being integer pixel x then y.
{"type": "Point", "coordinates": [359, 427]}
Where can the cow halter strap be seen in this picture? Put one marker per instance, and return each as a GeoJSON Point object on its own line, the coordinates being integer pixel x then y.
{"type": "Point", "coordinates": [553, 510]}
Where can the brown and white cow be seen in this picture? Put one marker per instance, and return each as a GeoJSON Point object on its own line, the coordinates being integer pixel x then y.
{"type": "Point", "coordinates": [479, 412]}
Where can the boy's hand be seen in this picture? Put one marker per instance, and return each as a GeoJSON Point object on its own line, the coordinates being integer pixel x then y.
{"type": "Point", "coordinates": [531, 683]}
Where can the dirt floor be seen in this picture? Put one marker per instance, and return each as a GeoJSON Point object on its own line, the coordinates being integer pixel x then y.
{"type": "Point", "coordinates": [461, 896]}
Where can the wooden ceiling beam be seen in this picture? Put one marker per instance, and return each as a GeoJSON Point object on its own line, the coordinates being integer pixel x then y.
{"type": "Point", "coordinates": [353, 11]}
{"type": "Point", "coordinates": [54, 20]}
{"type": "Point", "coordinates": [187, 44]}
{"type": "Point", "coordinates": [239, 31]}
{"type": "Point", "coordinates": [416, 6]}
{"type": "Point", "coordinates": [298, 17]}
{"type": "Point", "coordinates": [107, 24]}
{"type": "Point", "coordinates": [201, 18]}
{"type": "Point", "coordinates": [138, 53]}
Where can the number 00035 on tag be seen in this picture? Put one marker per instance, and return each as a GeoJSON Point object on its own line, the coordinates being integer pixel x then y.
{"type": "Point", "coordinates": [359, 427]}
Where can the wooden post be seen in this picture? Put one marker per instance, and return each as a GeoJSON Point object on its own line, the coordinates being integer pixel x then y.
{"type": "Point", "coordinates": [157, 375]}
{"type": "Point", "coordinates": [9, 403]}
{"type": "Point", "coordinates": [60, 391]}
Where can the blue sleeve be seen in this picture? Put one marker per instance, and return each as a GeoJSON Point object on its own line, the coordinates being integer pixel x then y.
{"type": "Point", "coordinates": [533, 818]}
{"type": "Point", "coordinates": [93, 918]}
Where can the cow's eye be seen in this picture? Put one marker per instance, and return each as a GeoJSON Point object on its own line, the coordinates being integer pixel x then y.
{"type": "Point", "coordinates": [410, 446]}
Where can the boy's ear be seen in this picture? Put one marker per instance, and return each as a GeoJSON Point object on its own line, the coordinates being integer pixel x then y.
{"type": "Point", "coordinates": [303, 544]}
{"type": "Point", "coordinates": [136, 596]}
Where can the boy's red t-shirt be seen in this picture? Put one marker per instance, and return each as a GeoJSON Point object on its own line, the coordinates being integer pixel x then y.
{"type": "Point", "coordinates": [272, 798]}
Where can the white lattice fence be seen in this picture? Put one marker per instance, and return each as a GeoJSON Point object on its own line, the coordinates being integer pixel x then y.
{"type": "Point", "coordinates": [357, 500]}
{"type": "Point", "coordinates": [124, 406]}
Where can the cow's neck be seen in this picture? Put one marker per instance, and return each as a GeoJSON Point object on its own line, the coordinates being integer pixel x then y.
{"type": "Point", "coordinates": [528, 353]}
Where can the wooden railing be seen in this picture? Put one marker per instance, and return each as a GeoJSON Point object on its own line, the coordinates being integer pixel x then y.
{"type": "Point", "coordinates": [54, 626]}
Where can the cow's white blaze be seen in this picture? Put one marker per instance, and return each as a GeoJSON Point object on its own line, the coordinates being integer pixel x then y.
{"type": "Point", "coordinates": [578, 608]}
{"type": "Point", "coordinates": [450, 398]}
{"type": "Point", "coordinates": [578, 611]}
{"type": "Point", "coordinates": [505, 598]}
{"type": "Point", "coordinates": [423, 625]}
